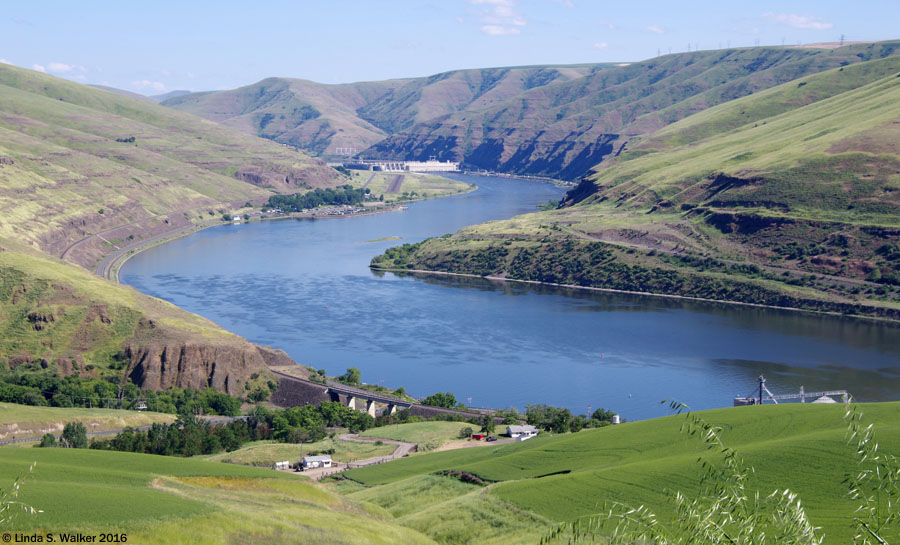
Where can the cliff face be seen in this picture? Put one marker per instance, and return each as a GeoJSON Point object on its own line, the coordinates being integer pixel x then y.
{"type": "Point", "coordinates": [225, 368]}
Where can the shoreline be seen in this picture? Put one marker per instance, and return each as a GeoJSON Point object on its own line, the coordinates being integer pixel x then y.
{"type": "Point", "coordinates": [109, 266]}
{"type": "Point", "coordinates": [641, 293]}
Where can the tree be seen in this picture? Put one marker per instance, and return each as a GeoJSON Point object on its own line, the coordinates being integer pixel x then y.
{"type": "Point", "coordinates": [603, 415]}
{"type": "Point", "coordinates": [487, 424]}
{"type": "Point", "coordinates": [465, 433]}
{"type": "Point", "coordinates": [440, 399]}
{"type": "Point", "coordinates": [48, 441]}
{"type": "Point", "coordinates": [74, 435]}
{"type": "Point", "coordinates": [353, 377]}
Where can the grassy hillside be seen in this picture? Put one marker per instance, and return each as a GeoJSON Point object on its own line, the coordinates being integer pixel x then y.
{"type": "Point", "coordinates": [266, 453]}
{"type": "Point", "coordinates": [57, 317]}
{"type": "Point", "coordinates": [788, 197]}
{"type": "Point", "coordinates": [23, 421]}
{"type": "Point", "coordinates": [563, 477]}
{"type": "Point", "coordinates": [566, 127]}
{"type": "Point", "coordinates": [319, 118]}
{"type": "Point", "coordinates": [77, 161]}
{"type": "Point", "coordinates": [165, 500]}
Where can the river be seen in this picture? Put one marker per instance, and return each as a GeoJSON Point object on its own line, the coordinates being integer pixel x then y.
{"type": "Point", "coordinates": [304, 286]}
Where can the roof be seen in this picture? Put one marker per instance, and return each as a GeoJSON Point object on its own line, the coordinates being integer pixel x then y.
{"type": "Point", "coordinates": [521, 429]}
{"type": "Point", "coordinates": [316, 459]}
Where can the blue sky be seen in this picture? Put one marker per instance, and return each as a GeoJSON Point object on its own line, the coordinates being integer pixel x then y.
{"type": "Point", "coordinates": [154, 47]}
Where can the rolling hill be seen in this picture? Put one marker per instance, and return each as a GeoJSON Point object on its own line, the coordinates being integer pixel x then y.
{"type": "Point", "coordinates": [528, 486]}
{"type": "Point", "coordinates": [787, 197]}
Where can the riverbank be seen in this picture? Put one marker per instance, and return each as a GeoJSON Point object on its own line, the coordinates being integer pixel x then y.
{"type": "Point", "coordinates": [641, 293]}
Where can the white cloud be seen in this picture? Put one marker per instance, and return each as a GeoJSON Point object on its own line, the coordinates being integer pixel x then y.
{"type": "Point", "coordinates": [497, 30]}
{"type": "Point", "coordinates": [4, 61]}
{"type": "Point", "coordinates": [60, 67]}
{"type": "Point", "coordinates": [600, 45]}
{"type": "Point", "coordinates": [147, 84]}
{"type": "Point", "coordinates": [38, 67]}
{"type": "Point", "coordinates": [798, 21]}
{"type": "Point", "coordinates": [567, 3]}
{"type": "Point", "coordinates": [656, 29]}
{"type": "Point", "coordinates": [499, 17]}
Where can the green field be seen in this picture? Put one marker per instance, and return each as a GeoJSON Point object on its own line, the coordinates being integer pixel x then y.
{"type": "Point", "coordinates": [428, 435]}
{"type": "Point", "coordinates": [266, 453]}
{"type": "Point", "coordinates": [22, 421]}
{"type": "Point", "coordinates": [801, 447]}
{"type": "Point", "coordinates": [414, 186]}
{"type": "Point", "coordinates": [166, 500]}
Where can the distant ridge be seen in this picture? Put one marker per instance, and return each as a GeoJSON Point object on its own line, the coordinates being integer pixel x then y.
{"type": "Point", "coordinates": [556, 121]}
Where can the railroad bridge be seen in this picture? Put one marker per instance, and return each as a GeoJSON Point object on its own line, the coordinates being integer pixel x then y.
{"type": "Point", "coordinates": [294, 391]}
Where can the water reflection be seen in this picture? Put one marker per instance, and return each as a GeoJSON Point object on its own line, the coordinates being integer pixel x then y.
{"type": "Point", "coordinates": [305, 287]}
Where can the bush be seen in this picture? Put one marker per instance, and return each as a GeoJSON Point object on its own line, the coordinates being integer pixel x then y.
{"type": "Point", "coordinates": [465, 433]}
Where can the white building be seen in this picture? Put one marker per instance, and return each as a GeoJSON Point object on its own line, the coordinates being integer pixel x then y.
{"type": "Point", "coordinates": [311, 462]}
{"type": "Point", "coordinates": [524, 432]}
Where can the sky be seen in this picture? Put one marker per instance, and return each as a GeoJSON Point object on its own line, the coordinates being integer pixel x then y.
{"type": "Point", "coordinates": [156, 47]}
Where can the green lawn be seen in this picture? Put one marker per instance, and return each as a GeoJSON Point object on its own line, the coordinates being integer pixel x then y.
{"type": "Point", "coordinates": [801, 447]}
{"type": "Point", "coordinates": [428, 435]}
{"type": "Point", "coordinates": [168, 500]}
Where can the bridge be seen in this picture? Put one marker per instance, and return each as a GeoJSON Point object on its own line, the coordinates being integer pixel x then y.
{"type": "Point", "coordinates": [294, 391]}
{"type": "Point", "coordinates": [357, 398]}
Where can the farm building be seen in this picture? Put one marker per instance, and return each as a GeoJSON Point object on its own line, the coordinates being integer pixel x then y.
{"type": "Point", "coordinates": [521, 431]}
{"type": "Point", "coordinates": [311, 462]}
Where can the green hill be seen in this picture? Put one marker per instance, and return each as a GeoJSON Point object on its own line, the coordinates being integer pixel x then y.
{"type": "Point", "coordinates": [160, 499]}
{"type": "Point", "coordinates": [788, 197]}
{"type": "Point", "coordinates": [56, 317]}
{"type": "Point", "coordinates": [560, 478]}
{"type": "Point", "coordinates": [76, 160]}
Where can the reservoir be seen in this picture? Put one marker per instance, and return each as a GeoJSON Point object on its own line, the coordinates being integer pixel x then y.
{"type": "Point", "coordinates": [304, 286]}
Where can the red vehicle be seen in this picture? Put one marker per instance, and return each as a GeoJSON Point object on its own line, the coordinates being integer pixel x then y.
{"type": "Point", "coordinates": [478, 436]}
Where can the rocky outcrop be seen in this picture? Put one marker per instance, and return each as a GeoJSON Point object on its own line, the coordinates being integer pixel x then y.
{"type": "Point", "coordinates": [225, 368]}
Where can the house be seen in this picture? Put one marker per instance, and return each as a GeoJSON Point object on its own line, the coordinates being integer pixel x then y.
{"type": "Point", "coordinates": [521, 432]}
{"type": "Point", "coordinates": [311, 462]}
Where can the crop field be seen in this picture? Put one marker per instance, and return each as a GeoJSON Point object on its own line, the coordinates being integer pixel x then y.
{"type": "Point", "coordinates": [166, 500]}
{"type": "Point", "coordinates": [451, 511]}
{"type": "Point", "coordinates": [428, 435]}
{"type": "Point", "coordinates": [266, 453]}
{"type": "Point", "coordinates": [801, 447]}
{"type": "Point", "coordinates": [26, 421]}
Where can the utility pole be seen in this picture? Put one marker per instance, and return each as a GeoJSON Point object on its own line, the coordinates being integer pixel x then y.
{"type": "Point", "coordinates": [842, 40]}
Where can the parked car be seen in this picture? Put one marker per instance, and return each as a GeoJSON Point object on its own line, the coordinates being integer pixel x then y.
{"type": "Point", "coordinates": [492, 438]}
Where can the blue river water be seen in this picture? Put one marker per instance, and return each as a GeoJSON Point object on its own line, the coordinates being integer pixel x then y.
{"type": "Point", "coordinates": [304, 286]}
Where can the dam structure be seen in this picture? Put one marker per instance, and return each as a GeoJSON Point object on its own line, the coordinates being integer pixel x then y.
{"type": "Point", "coordinates": [402, 166]}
